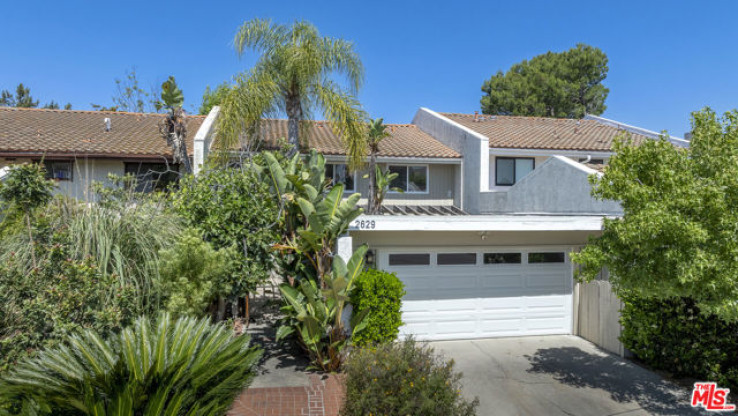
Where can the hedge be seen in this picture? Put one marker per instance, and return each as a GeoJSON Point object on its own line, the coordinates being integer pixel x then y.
{"type": "Point", "coordinates": [381, 293]}
{"type": "Point", "coordinates": [673, 335]}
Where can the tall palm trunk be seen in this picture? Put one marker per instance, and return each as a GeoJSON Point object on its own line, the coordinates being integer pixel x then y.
{"type": "Point", "coordinates": [372, 182]}
{"type": "Point", "coordinates": [294, 116]}
{"type": "Point", "coordinates": [183, 155]}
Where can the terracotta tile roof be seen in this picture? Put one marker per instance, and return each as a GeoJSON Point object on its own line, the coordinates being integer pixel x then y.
{"type": "Point", "coordinates": [82, 133]}
{"type": "Point", "coordinates": [542, 133]}
{"type": "Point", "coordinates": [406, 140]}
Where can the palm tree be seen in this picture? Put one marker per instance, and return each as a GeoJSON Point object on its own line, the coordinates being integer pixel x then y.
{"type": "Point", "coordinates": [376, 133]}
{"type": "Point", "coordinates": [187, 366]}
{"type": "Point", "coordinates": [294, 76]}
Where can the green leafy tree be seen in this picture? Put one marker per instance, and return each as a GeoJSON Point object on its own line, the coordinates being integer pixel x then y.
{"type": "Point", "coordinates": [180, 367]}
{"type": "Point", "coordinates": [38, 307]}
{"type": "Point", "coordinates": [174, 126]}
{"type": "Point", "coordinates": [194, 274]}
{"type": "Point", "coordinates": [676, 237]}
{"type": "Point", "coordinates": [562, 85]}
{"type": "Point", "coordinates": [211, 98]}
{"type": "Point", "coordinates": [295, 75]}
{"type": "Point", "coordinates": [233, 208]}
{"type": "Point", "coordinates": [129, 96]}
{"type": "Point", "coordinates": [22, 98]}
{"type": "Point", "coordinates": [25, 188]}
{"type": "Point", "coordinates": [376, 132]}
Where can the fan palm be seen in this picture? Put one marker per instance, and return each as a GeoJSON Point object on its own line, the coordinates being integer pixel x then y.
{"type": "Point", "coordinates": [293, 76]}
{"type": "Point", "coordinates": [178, 367]}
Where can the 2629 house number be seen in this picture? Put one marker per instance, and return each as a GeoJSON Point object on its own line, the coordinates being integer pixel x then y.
{"type": "Point", "coordinates": [365, 224]}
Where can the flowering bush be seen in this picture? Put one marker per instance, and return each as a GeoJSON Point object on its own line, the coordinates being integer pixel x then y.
{"type": "Point", "coordinates": [404, 378]}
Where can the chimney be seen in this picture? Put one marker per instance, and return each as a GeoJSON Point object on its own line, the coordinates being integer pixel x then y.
{"type": "Point", "coordinates": [108, 124]}
{"type": "Point", "coordinates": [476, 115]}
{"type": "Point", "coordinates": [688, 135]}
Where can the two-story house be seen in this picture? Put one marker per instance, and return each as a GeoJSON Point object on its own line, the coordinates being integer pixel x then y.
{"type": "Point", "coordinates": [490, 209]}
{"type": "Point", "coordinates": [499, 265]}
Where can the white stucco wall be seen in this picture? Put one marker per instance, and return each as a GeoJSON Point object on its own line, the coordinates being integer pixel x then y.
{"type": "Point", "coordinates": [558, 186]}
{"type": "Point", "coordinates": [473, 147]}
{"type": "Point", "coordinates": [85, 171]}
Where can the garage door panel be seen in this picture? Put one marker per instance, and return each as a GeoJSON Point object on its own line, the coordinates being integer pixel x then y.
{"type": "Point", "coordinates": [554, 280]}
{"type": "Point", "coordinates": [484, 300]}
{"type": "Point", "coordinates": [535, 324]}
{"type": "Point", "coordinates": [457, 328]}
{"type": "Point", "coordinates": [506, 281]}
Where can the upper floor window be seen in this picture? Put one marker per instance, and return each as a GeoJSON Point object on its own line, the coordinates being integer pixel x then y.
{"type": "Point", "coordinates": [58, 170]}
{"type": "Point", "coordinates": [592, 161]}
{"type": "Point", "coordinates": [339, 173]}
{"type": "Point", "coordinates": [509, 170]}
{"type": "Point", "coordinates": [411, 179]}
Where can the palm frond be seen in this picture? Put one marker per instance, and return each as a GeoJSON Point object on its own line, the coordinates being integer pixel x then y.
{"type": "Point", "coordinates": [348, 120]}
{"type": "Point", "coordinates": [171, 367]}
{"type": "Point", "coordinates": [259, 34]}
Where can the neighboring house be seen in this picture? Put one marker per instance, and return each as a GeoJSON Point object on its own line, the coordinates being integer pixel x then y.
{"type": "Point", "coordinates": [481, 237]}
{"type": "Point", "coordinates": [79, 147]}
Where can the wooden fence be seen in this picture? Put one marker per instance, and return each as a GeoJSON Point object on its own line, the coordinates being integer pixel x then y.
{"type": "Point", "coordinates": [597, 315]}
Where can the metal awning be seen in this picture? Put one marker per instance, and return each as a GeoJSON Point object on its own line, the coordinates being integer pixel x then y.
{"type": "Point", "coordinates": [421, 210]}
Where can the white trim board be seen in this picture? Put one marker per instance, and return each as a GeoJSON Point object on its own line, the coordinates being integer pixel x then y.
{"type": "Point", "coordinates": [477, 223]}
{"type": "Point", "coordinates": [506, 151]}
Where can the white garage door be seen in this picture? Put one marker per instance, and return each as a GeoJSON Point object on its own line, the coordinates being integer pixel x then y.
{"type": "Point", "coordinates": [482, 292]}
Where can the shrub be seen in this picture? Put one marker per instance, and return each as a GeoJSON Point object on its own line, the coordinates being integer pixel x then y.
{"type": "Point", "coordinates": [193, 274]}
{"type": "Point", "coordinates": [39, 306]}
{"type": "Point", "coordinates": [315, 317]}
{"type": "Point", "coordinates": [123, 241]}
{"type": "Point", "coordinates": [673, 335]}
{"type": "Point", "coordinates": [168, 368]}
{"type": "Point", "coordinates": [233, 208]}
{"type": "Point", "coordinates": [404, 378]}
{"type": "Point", "coordinates": [381, 294]}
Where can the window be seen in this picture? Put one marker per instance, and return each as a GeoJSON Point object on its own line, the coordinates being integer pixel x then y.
{"type": "Point", "coordinates": [338, 173]}
{"type": "Point", "coordinates": [447, 259]}
{"type": "Point", "coordinates": [592, 161]}
{"type": "Point", "coordinates": [60, 171]}
{"type": "Point", "coordinates": [557, 257]}
{"type": "Point", "coordinates": [411, 179]}
{"type": "Point", "coordinates": [422, 259]}
{"type": "Point", "coordinates": [152, 176]}
{"type": "Point", "coordinates": [502, 258]}
{"type": "Point", "coordinates": [509, 170]}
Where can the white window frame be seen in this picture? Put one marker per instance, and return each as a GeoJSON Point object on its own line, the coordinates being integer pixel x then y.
{"type": "Point", "coordinates": [515, 168]}
{"type": "Point", "coordinates": [352, 173]}
{"type": "Point", "coordinates": [407, 175]}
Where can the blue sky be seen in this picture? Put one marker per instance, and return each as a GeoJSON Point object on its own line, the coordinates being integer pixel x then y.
{"type": "Point", "coordinates": [667, 58]}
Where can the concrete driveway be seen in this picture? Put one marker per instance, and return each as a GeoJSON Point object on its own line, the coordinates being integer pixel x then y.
{"type": "Point", "coordinates": [559, 375]}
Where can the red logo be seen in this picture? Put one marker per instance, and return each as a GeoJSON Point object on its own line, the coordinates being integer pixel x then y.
{"type": "Point", "coordinates": [711, 397]}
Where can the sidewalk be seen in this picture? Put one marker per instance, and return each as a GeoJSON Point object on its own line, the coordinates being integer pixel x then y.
{"type": "Point", "coordinates": [284, 386]}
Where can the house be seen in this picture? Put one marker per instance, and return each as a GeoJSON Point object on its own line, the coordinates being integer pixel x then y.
{"type": "Point", "coordinates": [80, 147]}
{"type": "Point", "coordinates": [492, 205]}
{"type": "Point", "coordinates": [499, 266]}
